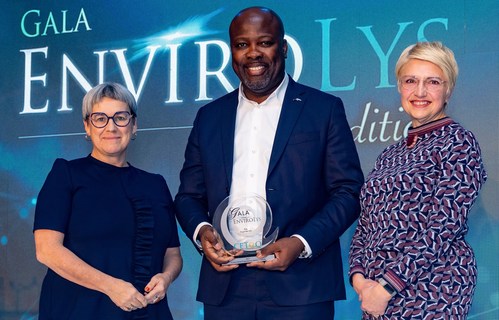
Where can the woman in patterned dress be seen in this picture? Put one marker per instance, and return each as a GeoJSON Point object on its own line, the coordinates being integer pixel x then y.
{"type": "Point", "coordinates": [408, 256]}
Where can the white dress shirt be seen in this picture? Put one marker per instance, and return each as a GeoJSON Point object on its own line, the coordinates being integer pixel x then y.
{"type": "Point", "coordinates": [256, 126]}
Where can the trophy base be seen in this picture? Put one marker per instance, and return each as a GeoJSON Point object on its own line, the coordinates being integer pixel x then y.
{"type": "Point", "coordinates": [248, 259]}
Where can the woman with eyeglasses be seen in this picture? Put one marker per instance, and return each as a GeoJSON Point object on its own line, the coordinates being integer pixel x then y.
{"type": "Point", "coordinates": [409, 258]}
{"type": "Point", "coordinates": [106, 229]}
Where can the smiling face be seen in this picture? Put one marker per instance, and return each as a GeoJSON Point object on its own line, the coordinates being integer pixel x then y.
{"type": "Point", "coordinates": [258, 52]}
{"type": "Point", "coordinates": [110, 143]}
{"type": "Point", "coordinates": [420, 104]}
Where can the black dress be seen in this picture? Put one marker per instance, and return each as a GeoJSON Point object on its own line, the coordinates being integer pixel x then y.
{"type": "Point", "coordinates": [119, 220]}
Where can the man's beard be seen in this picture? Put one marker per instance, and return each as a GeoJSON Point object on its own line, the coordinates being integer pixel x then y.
{"type": "Point", "coordinates": [260, 85]}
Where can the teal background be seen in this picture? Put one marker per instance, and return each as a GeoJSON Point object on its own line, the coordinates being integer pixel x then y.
{"type": "Point", "coordinates": [346, 48]}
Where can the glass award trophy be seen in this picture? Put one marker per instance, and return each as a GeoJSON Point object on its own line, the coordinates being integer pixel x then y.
{"type": "Point", "coordinates": [243, 223]}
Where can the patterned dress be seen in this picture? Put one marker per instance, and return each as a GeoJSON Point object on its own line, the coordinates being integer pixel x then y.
{"type": "Point", "coordinates": [415, 206]}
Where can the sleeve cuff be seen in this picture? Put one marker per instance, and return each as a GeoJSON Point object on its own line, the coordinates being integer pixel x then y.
{"type": "Point", "coordinates": [195, 235]}
{"type": "Point", "coordinates": [354, 270]}
{"type": "Point", "coordinates": [307, 251]}
{"type": "Point", "coordinates": [394, 280]}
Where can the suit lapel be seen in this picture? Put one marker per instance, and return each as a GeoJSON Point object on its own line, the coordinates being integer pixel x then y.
{"type": "Point", "coordinates": [294, 100]}
{"type": "Point", "coordinates": [228, 111]}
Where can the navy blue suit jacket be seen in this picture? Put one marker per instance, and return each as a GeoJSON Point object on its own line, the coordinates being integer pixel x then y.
{"type": "Point", "coordinates": [313, 185]}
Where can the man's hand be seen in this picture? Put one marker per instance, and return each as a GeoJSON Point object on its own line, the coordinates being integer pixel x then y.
{"type": "Point", "coordinates": [286, 251]}
{"type": "Point", "coordinates": [214, 250]}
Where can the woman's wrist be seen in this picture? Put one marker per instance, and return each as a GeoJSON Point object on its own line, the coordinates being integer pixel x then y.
{"type": "Point", "coordinates": [168, 277]}
{"type": "Point", "coordinates": [357, 279]}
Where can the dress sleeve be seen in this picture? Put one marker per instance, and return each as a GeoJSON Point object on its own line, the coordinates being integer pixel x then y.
{"type": "Point", "coordinates": [53, 205]}
{"type": "Point", "coordinates": [356, 255]}
{"type": "Point", "coordinates": [461, 176]}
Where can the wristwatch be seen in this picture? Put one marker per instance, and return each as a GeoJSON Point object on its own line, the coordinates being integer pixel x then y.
{"type": "Point", "coordinates": [388, 287]}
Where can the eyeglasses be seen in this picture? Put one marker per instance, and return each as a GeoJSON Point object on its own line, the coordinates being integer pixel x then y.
{"type": "Point", "coordinates": [432, 84]}
{"type": "Point", "coordinates": [120, 118]}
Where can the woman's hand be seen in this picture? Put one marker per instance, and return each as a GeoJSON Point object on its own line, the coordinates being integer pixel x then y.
{"type": "Point", "coordinates": [156, 289]}
{"type": "Point", "coordinates": [375, 299]}
{"type": "Point", "coordinates": [360, 283]}
{"type": "Point", "coordinates": [125, 296]}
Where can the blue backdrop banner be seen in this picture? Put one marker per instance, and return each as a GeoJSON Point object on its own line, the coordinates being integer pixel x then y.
{"type": "Point", "coordinates": [174, 57]}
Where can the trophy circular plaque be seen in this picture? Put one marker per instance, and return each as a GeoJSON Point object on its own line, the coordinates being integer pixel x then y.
{"type": "Point", "coordinates": [243, 223]}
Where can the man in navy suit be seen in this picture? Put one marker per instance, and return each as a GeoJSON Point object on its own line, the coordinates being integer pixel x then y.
{"type": "Point", "coordinates": [290, 144]}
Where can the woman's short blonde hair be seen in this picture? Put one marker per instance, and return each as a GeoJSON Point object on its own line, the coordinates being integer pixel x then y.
{"type": "Point", "coordinates": [434, 52]}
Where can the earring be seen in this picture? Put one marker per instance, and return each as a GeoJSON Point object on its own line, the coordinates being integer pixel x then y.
{"type": "Point", "coordinates": [87, 137]}
{"type": "Point", "coordinates": [134, 135]}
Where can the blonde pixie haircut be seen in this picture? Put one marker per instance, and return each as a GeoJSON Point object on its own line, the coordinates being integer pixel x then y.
{"type": "Point", "coordinates": [436, 53]}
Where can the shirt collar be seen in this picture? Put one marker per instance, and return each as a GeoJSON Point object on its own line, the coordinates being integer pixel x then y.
{"type": "Point", "coordinates": [414, 133]}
